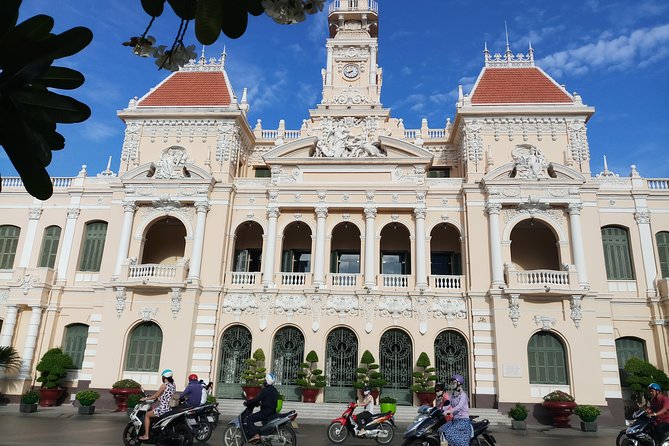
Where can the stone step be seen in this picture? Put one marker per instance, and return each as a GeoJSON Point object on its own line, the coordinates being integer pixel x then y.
{"type": "Point", "coordinates": [325, 412]}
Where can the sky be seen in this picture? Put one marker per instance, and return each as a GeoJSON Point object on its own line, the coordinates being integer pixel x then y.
{"type": "Point", "coordinates": [614, 53]}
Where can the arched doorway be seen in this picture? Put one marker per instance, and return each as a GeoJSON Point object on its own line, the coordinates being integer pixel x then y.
{"type": "Point", "coordinates": [345, 255]}
{"type": "Point", "coordinates": [396, 361]}
{"type": "Point", "coordinates": [235, 350]}
{"type": "Point", "coordinates": [341, 355]}
{"type": "Point", "coordinates": [246, 263]}
{"type": "Point", "coordinates": [287, 355]}
{"type": "Point", "coordinates": [395, 255]}
{"type": "Point", "coordinates": [296, 254]}
{"type": "Point", "coordinates": [451, 356]}
{"type": "Point", "coordinates": [534, 246]}
{"type": "Point", "coordinates": [165, 242]}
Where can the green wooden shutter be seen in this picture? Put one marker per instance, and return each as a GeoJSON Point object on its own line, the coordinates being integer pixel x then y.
{"type": "Point", "coordinates": [617, 255]}
{"type": "Point", "coordinates": [662, 239]}
{"type": "Point", "coordinates": [9, 240]}
{"type": "Point", "coordinates": [94, 245]}
{"type": "Point", "coordinates": [144, 347]}
{"type": "Point", "coordinates": [546, 360]}
{"type": "Point", "coordinates": [74, 343]}
{"type": "Point", "coordinates": [49, 247]}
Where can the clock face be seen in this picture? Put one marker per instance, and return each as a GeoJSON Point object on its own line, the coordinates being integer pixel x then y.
{"type": "Point", "coordinates": [351, 71]}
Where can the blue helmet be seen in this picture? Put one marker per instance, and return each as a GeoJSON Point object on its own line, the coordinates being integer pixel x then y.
{"type": "Point", "coordinates": [655, 386]}
{"type": "Point", "coordinates": [269, 379]}
{"type": "Point", "coordinates": [167, 373]}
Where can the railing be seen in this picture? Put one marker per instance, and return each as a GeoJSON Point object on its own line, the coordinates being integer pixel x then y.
{"type": "Point", "coordinates": [657, 184]}
{"type": "Point", "coordinates": [244, 278]}
{"type": "Point", "coordinates": [150, 270]}
{"type": "Point", "coordinates": [446, 282]}
{"type": "Point", "coordinates": [344, 280]}
{"type": "Point", "coordinates": [411, 134]}
{"type": "Point", "coordinates": [395, 280]}
{"type": "Point", "coordinates": [352, 5]}
{"type": "Point", "coordinates": [436, 133]}
{"type": "Point", "coordinates": [269, 134]}
{"type": "Point", "coordinates": [293, 279]}
{"type": "Point", "coordinates": [542, 277]}
{"type": "Point", "coordinates": [17, 182]}
{"type": "Point", "coordinates": [291, 134]}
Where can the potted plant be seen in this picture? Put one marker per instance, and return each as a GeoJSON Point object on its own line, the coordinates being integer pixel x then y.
{"type": "Point", "coordinates": [560, 405]}
{"type": "Point", "coordinates": [588, 415]}
{"type": "Point", "coordinates": [53, 368]}
{"type": "Point", "coordinates": [424, 380]}
{"type": "Point", "coordinates": [279, 402]}
{"type": "Point", "coordinates": [388, 404]}
{"type": "Point", "coordinates": [29, 402]}
{"type": "Point", "coordinates": [518, 414]}
{"type": "Point", "coordinates": [9, 359]}
{"type": "Point", "coordinates": [132, 401]}
{"type": "Point", "coordinates": [254, 374]}
{"type": "Point", "coordinates": [87, 400]}
{"type": "Point", "coordinates": [121, 390]}
{"type": "Point", "coordinates": [638, 374]}
{"type": "Point", "coordinates": [368, 375]}
{"type": "Point", "coordinates": [310, 378]}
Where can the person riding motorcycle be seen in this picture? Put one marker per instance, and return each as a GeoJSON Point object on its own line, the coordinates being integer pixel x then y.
{"type": "Point", "coordinates": [167, 389]}
{"type": "Point", "coordinates": [193, 391]}
{"type": "Point", "coordinates": [366, 414]}
{"type": "Point", "coordinates": [659, 408]}
{"type": "Point", "coordinates": [442, 397]}
{"type": "Point", "coordinates": [267, 399]}
{"type": "Point", "coordinates": [458, 430]}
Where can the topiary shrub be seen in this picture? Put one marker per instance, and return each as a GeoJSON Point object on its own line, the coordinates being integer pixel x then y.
{"type": "Point", "coordinates": [30, 397]}
{"type": "Point", "coordinates": [126, 384]}
{"type": "Point", "coordinates": [368, 374]}
{"type": "Point", "coordinates": [518, 412]}
{"type": "Point", "coordinates": [53, 367]}
{"type": "Point", "coordinates": [424, 379]}
{"type": "Point", "coordinates": [254, 375]}
{"type": "Point", "coordinates": [133, 400]}
{"type": "Point", "coordinates": [87, 397]}
{"type": "Point", "coordinates": [309, 375]}
{"type": "Point", "coordinates": [639, 374]}
{"type": "Point", "coordinates": [587, 413]}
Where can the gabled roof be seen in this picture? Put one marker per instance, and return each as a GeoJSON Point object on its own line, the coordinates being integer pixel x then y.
{"type": "Point", "coordinates": [197, 84]}
{"type": "Point", "coordinates": [517, 86]}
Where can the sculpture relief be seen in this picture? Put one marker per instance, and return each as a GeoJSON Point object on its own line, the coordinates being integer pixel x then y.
{"type": "Point", "coordinates": [338, 142]}
{"type": "Point", "coordinates": [172, 163]}
{"type": "Point", "coordinates": [529, 162]}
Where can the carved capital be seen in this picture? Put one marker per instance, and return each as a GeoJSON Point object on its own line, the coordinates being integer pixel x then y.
{"type": "Point", "coordinates": [545, 322]}
{"type": "Point", "coordinates": [201, 207]}
{"type": "Point", "coordinates": [370, 213]}
{"type": "Point", "coordinates": [35, 213]}
{"type": "Point", "coordinates": [73, 213]}
{"type": "Point", "coordinates": [574, 208]}
{"type": "Point", "coordinates": [493, 208]}
{"type": "Point", "coordinates": [321, 212]}
{"type": "Point", "coordinates": [642, 217]}
{"type": "Point", "coordinates": [420, 213]}
{"type": "Point", "coordinates": [273, 212]}
{"type": "Point", "coordinates": [129, 206]}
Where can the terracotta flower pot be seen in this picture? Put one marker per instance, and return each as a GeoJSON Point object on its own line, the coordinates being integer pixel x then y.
{"type": "Point", "coordinates": [560, 411]}
{"type": "Point", "coordinates": [309, 394]}
{"type": "Point", "coordinates": [49, 397]}
{"type": "Point", "coordinates": [251, 391]}
{"type": "Point", "coordinates": [425, 398]}
{"type": "Point", "coordinates": [375, 395]}
{"type": "Point", "coordinates": [121, 397]}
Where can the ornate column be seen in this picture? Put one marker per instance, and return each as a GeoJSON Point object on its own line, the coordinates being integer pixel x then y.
{"type": "Point", "coordinates": [496, 265]}
{"type": "Point", "coordinates": [33, 216]}
{"type": "Point", "coordinates": [370, 257]}
{"type": "Point", "coordinates": [642, 218]}
{"type": "Point", "coordinates": [129, 209]}
{"type": "Point", "coordinates": [328, 64]}
{"type": "Point", "coordinates": [268, 270]}
{"type": "Point", "coordinates": [574, 210]}
{"type": "Point", "coordinates": [421, 275]}
{"type": "Point", "coordinates": [201, 209]}
{"type": "Point", "coordinates": [30, 340]}
{"type": "Point", "coordinates": [8, 326]}
{"type": "Point", "coordinates": [68, 239]}
{"type": "Point", "coordinates": [372, 63]}
{"type": "Point", "coordinates": [319, 264]}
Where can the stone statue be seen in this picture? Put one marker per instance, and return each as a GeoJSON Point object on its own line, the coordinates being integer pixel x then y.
{"type": "Point", "coordinates": [171, 164]}
{"type": "Point", "coordinates": [530, 163]}
{"type": "Point", "coordinates": [337, 142]}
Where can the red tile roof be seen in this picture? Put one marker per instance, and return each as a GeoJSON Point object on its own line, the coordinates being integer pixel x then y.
{"type": "Point", "coordinates": [517, 86]}
{"type": "Point", "coordinates": [188, 89]}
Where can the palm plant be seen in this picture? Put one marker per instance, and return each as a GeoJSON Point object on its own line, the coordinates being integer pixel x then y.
{"type": "Point", "coordinates": [9, 358]}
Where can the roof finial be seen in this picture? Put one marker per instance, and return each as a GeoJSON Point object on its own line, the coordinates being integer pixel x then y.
{"type": "Point", "coordinates": [110, 158]}
{"type": "Point", "coordinates": [202, 58]}
{"type": "Point", "coordinates": [508, 53]}
{"type": "Point", "coordinates": [486, 53]}
{"type": "Point", "coordinates": [223, 54]}
{"type": "Point", "coordinates": [530, 52]}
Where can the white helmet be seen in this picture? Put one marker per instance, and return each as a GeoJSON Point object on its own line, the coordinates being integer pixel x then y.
{"type": "Point", "coordinates": [269, 379]}
{"type": "Point", "coordinates": [167, 373]}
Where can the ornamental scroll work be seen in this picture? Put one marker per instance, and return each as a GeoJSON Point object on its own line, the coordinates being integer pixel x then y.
{"type": "Point", "coordinates": [349, 138]}
{"type": "Point", "coordinates": [345, 307]}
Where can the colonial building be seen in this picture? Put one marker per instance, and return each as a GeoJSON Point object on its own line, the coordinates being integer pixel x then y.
{"type": "Point", "coordinates": [488, 243]}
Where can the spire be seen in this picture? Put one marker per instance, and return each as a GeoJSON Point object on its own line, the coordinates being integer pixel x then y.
{"type": "Point", "coordinates": [486, 53]}
{"type": "Point", "coordinates": [530, 51]}
{"type": "Point", "coordinates": [223, 55]}
{"type": "Point", "coordinates": [606, 172]}
{"type": "Point", "coordinates": [202, 58]}
{"type": "Point", "coordinates": [508, 54]}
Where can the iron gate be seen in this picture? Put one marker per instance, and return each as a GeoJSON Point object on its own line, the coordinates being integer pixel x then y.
{"type": "Point", "coordinates": [451, 357]}
{"type": "Point", "coordinates": [341, 355]}
{"type": "Point", "coordinates": [235, 350]}
{"type": "Point", "coordinates": [287, 355]}
{"type": "Point", "coordinates": [396, 354]}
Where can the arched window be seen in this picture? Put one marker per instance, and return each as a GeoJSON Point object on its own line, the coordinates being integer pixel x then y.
{"type": "Point", "coordinates": [146, 341]}
{"type": "Point", "coordinates": [617, 254]}
{"type": "Point", "coordinates": [74, 343]}
{"type": "Point", "coordinates": [626, 349]}
{"type": "Point", "coordinates": [546, 359]}
{"type": "Point", "coordinates": [287, 355]}
{"type": "Point", "coordinates": [9, 240]}
{"type": "Point", "coordinates": [662, 239]}
{"type": "Point", "coordinates": [94, 245]}
{"type": "Point", "coordinates": [49, 250]}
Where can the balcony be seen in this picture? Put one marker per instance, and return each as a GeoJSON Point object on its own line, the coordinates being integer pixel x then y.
{"type": "Point", "coordinates": [344, 280]}
{"type": "Point", "coordinates": [240, 279]}
{"type": "Point", "coordinates": [151, 274]}
{"type": "Point", "coordinates": [289, 280]}
{"type": "Point", "coordinates": [445, 282]}
{"type": "Point", "coordinates": [396, 281]}
{"type": "Point", "coordinates": [543, 280]}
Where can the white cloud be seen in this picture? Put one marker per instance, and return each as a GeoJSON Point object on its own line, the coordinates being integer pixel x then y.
{"type": "Point", "coordinates": [96, 130]}
{"type": "Point", "coordinates": [638, 49]}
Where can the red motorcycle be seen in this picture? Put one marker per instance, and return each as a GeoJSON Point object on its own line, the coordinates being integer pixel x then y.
{"type": "Point", "coordinates": [378, 427]}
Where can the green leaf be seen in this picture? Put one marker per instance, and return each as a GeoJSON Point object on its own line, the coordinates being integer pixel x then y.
{"type": "Point", "coordinates": [61, 77]}
{"type": "Point", "coordinates": [48, 106]}
{"type": "Point", "coordinates": [208, 20]}
{"type": "Point", "coordinates": [185, 9]}
{"type": "Point", "coordinates": [9, 14]}
{"type": "Point", "coordinates": [154, 8]}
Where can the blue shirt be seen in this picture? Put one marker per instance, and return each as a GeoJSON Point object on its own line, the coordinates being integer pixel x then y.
{"type": "Point", "coordinates": [193, 393]}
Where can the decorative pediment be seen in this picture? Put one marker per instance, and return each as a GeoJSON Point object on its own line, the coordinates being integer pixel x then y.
{"type": "Point", "coordinates": [150, 171]}
{"type": "Point", "coordinates": [533, 168]}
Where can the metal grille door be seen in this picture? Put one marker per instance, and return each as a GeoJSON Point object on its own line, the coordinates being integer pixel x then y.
{"type": "Point", "coordinates": [396, 353]}
{"type": "Point", "coordinates": [287, 355]}
{"type": "Point", "coordinates": [235, 350]}
{"type": "Point", "coordinates": [451, 356]}
{"type": "Point", "coordinates": [341, 355]}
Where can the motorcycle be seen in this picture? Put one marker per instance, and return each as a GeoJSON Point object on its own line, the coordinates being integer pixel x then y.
{"type": "Point", "coordinates": [379, 427]}
{"type": "Point", "coordinates": [278, 431]}
{"type": "Point", "coordinates": [203, 420]}
{"type": "Point", "coordinates": [424, 430]}
{"type": "Point", "coordinates": [168, 429]}
{"type": "Point", "coordinates": [641, 432]}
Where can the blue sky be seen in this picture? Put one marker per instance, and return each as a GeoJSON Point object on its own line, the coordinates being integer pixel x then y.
{"type": "Point", "coordinates": [614, 53]}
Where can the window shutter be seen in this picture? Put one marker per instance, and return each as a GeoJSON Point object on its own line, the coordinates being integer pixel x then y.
{"type": "Point", "coordinates": [617, 255]}
{"type": "Point", "coordinates": [144, 348]}
{"type": "Point", "coordinates": [49, 247]}
{"type": "Point", "coordinates": [662, 239]}
{"type": "Point", "coordinates": [9, 240]}
{"type": "Point", "coordinates": [75, 343]}
{"type": "Point", "coordinates": [546, 360]}
{"type": "Point", "coordinates": [94, 244]}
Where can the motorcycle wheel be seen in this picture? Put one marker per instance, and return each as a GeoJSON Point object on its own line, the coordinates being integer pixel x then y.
{"type": "Point", "coordinates": [419, 442]}
{"type": "Point", "coordinates": [386, 435]}
{"type": "Point", "coordinates": [623, 440]}
{"type": "Point", "coordinates": [183, 435]}
{"type": "Point", "coordinates": [337, 432]}
{"type": "Point", "coordinates": [288, 434]}
{"type": "Point", "coordinates": [130, 435]}
{"type": "Point", "coordinates": [233, 436]}
{"type": "Point", "coordinates": [204, 431]}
